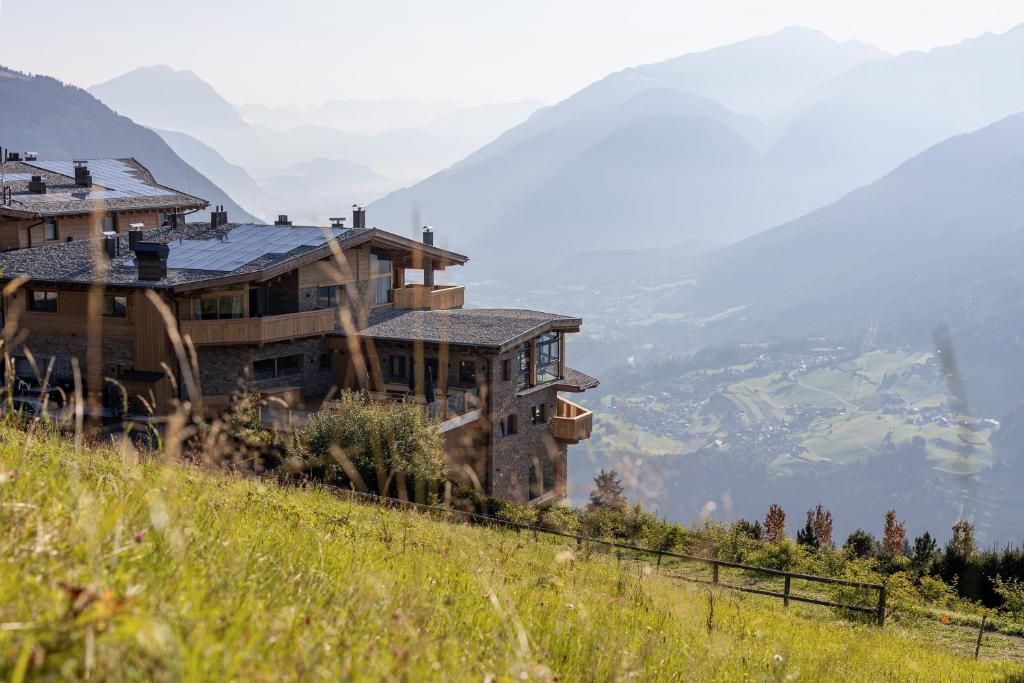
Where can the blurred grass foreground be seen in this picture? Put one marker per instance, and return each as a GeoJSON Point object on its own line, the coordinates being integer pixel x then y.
{"type": "Point", "coordinates": [122, 565]}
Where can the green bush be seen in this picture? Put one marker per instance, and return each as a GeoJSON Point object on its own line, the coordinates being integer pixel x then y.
{"type": "Point", "coordinates": [784, 555]}
{"type": "Point", "coordinates": [519, 514]}
{"type": "Point", "coordinates": [380, 446]}
{"type": "Point", "coordinates": [558, 518]}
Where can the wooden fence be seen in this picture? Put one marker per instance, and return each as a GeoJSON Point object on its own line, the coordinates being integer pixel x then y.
{"type": "Point", "coordinates": [877, 610]}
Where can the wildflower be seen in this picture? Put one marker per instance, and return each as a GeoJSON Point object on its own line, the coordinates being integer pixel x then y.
{"type": "Point", "coordinates": [944, 618]}
{"type": "Point", "coordinates": [777, 659]}
{"type": "Point", "coordinates": [139, 536]}
{"type": "Point", "coordinates": [569, 605]}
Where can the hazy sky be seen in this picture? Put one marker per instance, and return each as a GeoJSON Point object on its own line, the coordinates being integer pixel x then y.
{"type": "Point", "coordinates": [453, 50]}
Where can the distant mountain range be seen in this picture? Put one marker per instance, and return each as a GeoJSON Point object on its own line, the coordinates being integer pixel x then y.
{"type": "Point", "coordinates": [713, 146]}
{"type": "Point", "coordinates": [937, 243]}
{"type": "Point", "coordinates": [59, 121]}
{"type": "Point", "coordinates": [421, 139]}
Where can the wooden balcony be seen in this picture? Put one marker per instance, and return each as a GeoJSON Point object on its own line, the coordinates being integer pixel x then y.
{"type": "Point", "coordinates": [440, 298]}
{"type": "Point", "coordinates": [259, 330]}
{"type": "Point", "coordinates": [572, 423]}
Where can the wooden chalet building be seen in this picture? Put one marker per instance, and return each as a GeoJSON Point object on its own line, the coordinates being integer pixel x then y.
{"type": "Point", "coordinates": [297, 313]}
{"type": "Point", "coordinates": [46, 202]}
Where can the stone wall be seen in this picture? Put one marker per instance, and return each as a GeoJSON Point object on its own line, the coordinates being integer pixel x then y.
{"type": "Point", "coordinates": [226, 369]}
{"type": "Point", "coordinates": [116, 353]}
{"type": "Point", "coordinates": [533, 446]}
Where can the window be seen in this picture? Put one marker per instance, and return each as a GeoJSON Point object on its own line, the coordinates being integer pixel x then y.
{"type": "Point", "coordinates": [50, 229]}
{"type": "Point", "coordinates": [467, 372]}
{"type": "Point", "coordinates": [512, 425]}
{"type": "Point", "coordinates": [219, 307]}
{"type": "Point", "coordinates": [274, 368]}
{"type": "Point", "coordinates": [397, 367]}
{"type": "Point", "coordinates": [506, 370]}
{"type": "Point", "coordinates": [539, 413]}
{"type": "Point", "coordinates": [523, 363]}
{"type": "Point", "coordinates": [110, 223]}
{"type": "Point", "coordinates": [330, 296]}
{"type": "Point", "coordinates": [380, 262]}
{"type": "Point", "coordinates": [115, 306]}
{"type": "Point", "coordinates": [548, 356]}
{"type": "Point", "coordinates": [42, 302]}
{"type": "Point", "coordinates": [381, 290]}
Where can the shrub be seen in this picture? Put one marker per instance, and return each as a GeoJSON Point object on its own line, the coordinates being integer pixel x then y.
{"type": "Point", "coordinates": [601, 522]}
{"type": "Point", "coordinates": [564, 519]}
{"type": "Point", "coordinates": [518, 514]}
{"type": "Point", "coordinates": [1012, 593]}
{"type": "Point", "coordinates": [371, 445]}
{"type": "Point", "coordinates": [784, 555]}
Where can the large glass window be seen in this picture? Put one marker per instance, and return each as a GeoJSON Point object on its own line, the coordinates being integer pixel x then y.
{"type": "Point", "coordinates": [273, 368]}
{"type": "Point", "coordinates": [381, 290]}
{"type": "Point", "coordinates": [42, 302]}
{"type": "Point", "coordinates": [467, 372]}
{"type": "Point", "coordinates": [219, 307]}
{"type": "Point", "coordinates": [380, 262]}
{"type": "Point", "coordinates": [548, 357]}
{"type": "Point", "coordinates": [115, 306]}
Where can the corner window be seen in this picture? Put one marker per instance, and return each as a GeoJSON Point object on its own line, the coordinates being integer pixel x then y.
{"type": "Point", "coordinates": [539, 413]}
{"type": "Point", "coordinates": [115, 306]}
{"type": "Point", "coordinates": [549, 349]}
{"type": "Point", "coordinates": [50, 229]}
{"type": "Point", "coordinates": [41, 302]}
{"type": "Point", "coordinates": [274, 368]}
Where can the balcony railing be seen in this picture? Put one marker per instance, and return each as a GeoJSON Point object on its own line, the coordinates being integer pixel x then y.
{"type": "Point", "coordinates": [440, 298]}
{"type": "Point", "coordinates": [259, 330]}
{"type": "Point", "coordinates": [572, 423]}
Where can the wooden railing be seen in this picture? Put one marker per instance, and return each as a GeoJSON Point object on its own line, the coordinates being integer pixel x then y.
{"type": "Point", "coordinates": [440, 298]}
{"type": "Point", "coordinates": [259, 330]}
{"type": "Point", "coordinates": [572, 423]}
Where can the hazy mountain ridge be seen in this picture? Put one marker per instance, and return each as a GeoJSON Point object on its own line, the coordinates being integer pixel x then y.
{"type": "Point", "coordinates": [487, 195]}
{"type": "Point", "coordinates": [59, 121]}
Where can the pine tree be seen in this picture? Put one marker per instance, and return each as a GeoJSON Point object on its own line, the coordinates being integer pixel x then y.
{"type": "Point", "coordinates": [806, 535]}
{"type": "Point", "coordinates": [925, 551]}
{"type": "Point", "coordinates": [775, 524]}
{"type": "Point", "coordinates": [607, 491]}
{"type": "Point", "coordinates": [860, 543]}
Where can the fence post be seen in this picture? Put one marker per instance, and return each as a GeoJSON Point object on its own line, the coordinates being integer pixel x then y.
{"type": "Point", "coordinates": [659, 560]}
{"type": "Point", "coordinates": [714, 572]}
{"type": "Point", "coordinates": [881, 605]}
{"type": "Point", "coordinates": [785, 600]}
{"type": "Point", "coordinates": [981, 630]}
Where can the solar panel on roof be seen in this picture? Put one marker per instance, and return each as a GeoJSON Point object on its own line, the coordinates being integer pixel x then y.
{"type": "Point", "coordinates": [243, 245]}
{"type": "Point", "coordinates": [111, 173]}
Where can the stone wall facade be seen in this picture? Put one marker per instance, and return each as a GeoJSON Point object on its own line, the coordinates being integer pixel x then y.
{"type": "Point", "coordinates": [528, 463]}
{"type": "Point", "coordinates": [115, 353]}
{"type": "Point", "coordinates": [224, 370]}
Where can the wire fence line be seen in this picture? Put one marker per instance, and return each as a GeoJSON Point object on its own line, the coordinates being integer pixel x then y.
{"type": "Point", "coordinates": [877, 611]}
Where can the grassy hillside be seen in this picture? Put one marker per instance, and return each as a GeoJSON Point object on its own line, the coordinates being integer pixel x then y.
{"type": "Point", "coordinates": [121, 569]}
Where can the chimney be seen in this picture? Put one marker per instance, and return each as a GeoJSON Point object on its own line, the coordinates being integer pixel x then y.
{"type": "Point", "coordinates": [134, 235]}
{"type": "Point", "coordinates": [110, 245]}
{"type": "Point", "coordinates": [31, 156]}
{"type": "Point", "coordinates": [13, 156]}
{"type": "Point", "coordinates": [282, 220]}
{"type": "Point", "coordinates": [338, 222]}
{"type": "Point", "coordinates": [82, 176]}
{"type": "Point", "coordinates": [358, 217]}
{"type": "Point", "coordinates": [218, 217]}
{"type": "Point", "coordinates": [151, 258]}
{"type": "Point", "coordinates": [36, 185]}
{"type": "Point", "coordinates": [428, 235]}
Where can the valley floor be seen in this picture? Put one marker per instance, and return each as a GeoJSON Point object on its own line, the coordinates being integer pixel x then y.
{"type": "Point", "coordinates": [116, 567]}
